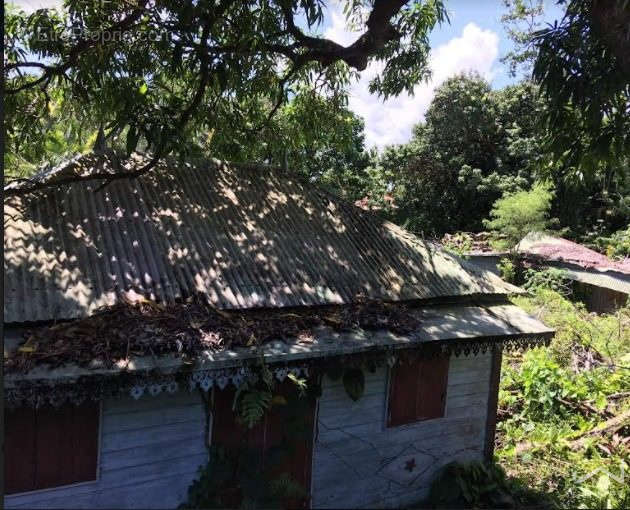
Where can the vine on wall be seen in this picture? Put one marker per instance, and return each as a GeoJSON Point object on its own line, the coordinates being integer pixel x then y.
{"type": "Point", "coordinates": [245, 471]}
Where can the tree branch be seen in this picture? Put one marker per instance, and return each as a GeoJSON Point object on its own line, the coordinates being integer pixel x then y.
{"type": "Point", "coordinates": [379, 32]}
{"type": "Point", "coordinates": [74, 53]}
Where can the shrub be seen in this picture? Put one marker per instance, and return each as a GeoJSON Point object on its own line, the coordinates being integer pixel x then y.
{"type": "Point", "coordinates": [516, 214]}
{"type": "Point", "coordinates": [507, 269]}
{"type": "Point", "coordinates": [615, 246]}
{"type": "Point", "coordinates": [555, 403]}
{"type": "Point", "coordinates": [460, 243]}
{"type": "Point", "coordinates": [470, 484]}
{"type": "Point", "coordinates": [551, 278]}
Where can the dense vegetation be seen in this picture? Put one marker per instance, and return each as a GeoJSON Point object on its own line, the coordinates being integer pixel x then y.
{"type": "Point", "coordinates": [564, 410]}
{"type": "Point", "coordinates": [563, 419]}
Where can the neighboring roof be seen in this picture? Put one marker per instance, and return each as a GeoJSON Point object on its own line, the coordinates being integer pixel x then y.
{"type": "Point", "coordinates": [608, 280]}
{"type": "Point", "coordinates": [364, 203]}
{"type": "Point", "coordinates": [244, 236]}
{"type": "Point", "coordinates": [456, 329]}
{"type": "Point", "coordinates": [562, 250]}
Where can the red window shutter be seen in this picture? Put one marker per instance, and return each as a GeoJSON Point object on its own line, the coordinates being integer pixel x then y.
{"type": "Point", "coordinates": [278, 428]}
{"type": "Point", "coordinates": [85, 441]}
{"type": "Point", "coordinates": [50, 447]}
{"type": "Point", "coordinates": [266, 435]}
{"type": "Point", "coordinates": [226, 431]}
{"type": "Point", "coordinates": [403, 394]}
{"type": "Point", "coordinates": [54, 448]}
{"type": "Point", "coordinates": [432, 388]}
{"type": "Point", "coordinates": [19, 450]}
{"type": "Point", "coordinates": [417, 391]}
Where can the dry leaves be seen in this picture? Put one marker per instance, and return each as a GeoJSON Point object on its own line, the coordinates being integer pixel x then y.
{"type": "Point", "coordinates": [148, 328]}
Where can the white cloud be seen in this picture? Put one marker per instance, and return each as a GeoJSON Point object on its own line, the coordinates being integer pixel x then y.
{"type": "Point", "coordinates": [391, 121]}
{"type": "Point", "coordinates": [33, 5]}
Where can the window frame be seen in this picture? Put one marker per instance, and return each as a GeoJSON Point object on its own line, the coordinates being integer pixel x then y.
{"type": "Point", "coordinates": [416, 422]}
{"type": "Point", "coordinates": [97, 478]}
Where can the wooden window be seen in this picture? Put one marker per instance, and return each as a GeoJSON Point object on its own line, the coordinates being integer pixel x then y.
{"type": "Point", "coordinates": [417, 391]}
{"type": "Point", "coordinates": [290, 423]}
{"type": "Point", "coordinates": [50, 447]}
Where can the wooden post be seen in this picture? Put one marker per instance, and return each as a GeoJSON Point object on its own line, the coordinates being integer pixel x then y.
{"type": "Point", "coordinates": [493, 401]}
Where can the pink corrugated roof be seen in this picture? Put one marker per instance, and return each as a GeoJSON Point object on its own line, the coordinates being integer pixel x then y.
{"type": "Point", "coordinates": [559, 249]}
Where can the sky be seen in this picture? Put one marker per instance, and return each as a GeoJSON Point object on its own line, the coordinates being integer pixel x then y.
{"type": "Point", "coordinates": [474, 40]}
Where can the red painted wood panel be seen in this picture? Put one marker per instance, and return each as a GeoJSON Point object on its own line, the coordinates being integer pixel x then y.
{"type": "Point", "coordinates": [417, 391]}
{"type": "Point", "coordinates": [85, 436]}
{"type": "Point", "coordinates": [403, 393]}
{"type": "Point", "coordinates": [50, 447]}
{"type": "Point", "coordinates": [19, 450]}
{"type": "Point", "coordinates": [432, 388]}
{"type": "Point", "coordinates": [269, 435]}
{"type": "Point", "coordinates": [54, 461]}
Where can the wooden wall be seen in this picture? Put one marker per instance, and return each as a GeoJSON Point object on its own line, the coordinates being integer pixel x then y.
{"type": "Point", "coordinates": [599, 299]}
{"type": "Point", "coordinates": [150, 450]}
{"type": "Point", "coordinates": [358, 462]}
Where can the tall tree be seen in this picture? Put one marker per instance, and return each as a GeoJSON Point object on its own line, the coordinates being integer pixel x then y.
{"type": "Point", "coordinates": [165, 70]}
{"type": "Point", "coordinates": [522, 19]}
{"type": "Point", "coordinates": [474, 145]}
{"type": "Point", "coordinates": [583, 69]}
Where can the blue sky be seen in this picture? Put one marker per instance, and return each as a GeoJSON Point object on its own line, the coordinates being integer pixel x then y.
{"type": "Point", "coordinates": [487, 15]}
{"type": "Point", "coordinates": [474, 40]}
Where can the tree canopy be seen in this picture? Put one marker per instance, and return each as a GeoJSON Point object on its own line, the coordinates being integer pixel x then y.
{"type": "Point", "coordinates": [256, 81]}
{"type": "Point", "coordinates": [583, 69]}
{"type": "Point", "coordinates": [474, 145]}
{"type": "Point", "coordinates": [166, 70]}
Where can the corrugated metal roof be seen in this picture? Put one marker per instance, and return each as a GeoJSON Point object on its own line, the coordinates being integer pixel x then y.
{"type": "Point", "coordinates": [562, 250]}
{"type": "Point", "coordinates": [245, 236]}
{"type": "Point", "coordinates": [618, 282]}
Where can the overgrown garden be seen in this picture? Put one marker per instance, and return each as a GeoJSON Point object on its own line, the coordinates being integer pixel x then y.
{"type": "Point", "coordinates": [563, 438]}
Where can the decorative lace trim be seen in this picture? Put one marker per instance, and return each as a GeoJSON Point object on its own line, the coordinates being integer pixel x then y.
{"type": "Point", "coordinates": [137, 385]}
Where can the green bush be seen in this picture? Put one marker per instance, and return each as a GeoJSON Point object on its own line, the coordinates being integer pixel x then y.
{"type": "Point", "coordinates": [551, 397]}
{"type": "Point", "coordinates": [615, 246]}
{"type": "Point", "coordinates": [516, 214]}
{"type": "Point", "coordinates": [551, 278]}
{"type": "Point", "coordinates": [471, 485]}
{"type": "Point", "coordinates": [460, 243]}
{"type": "Point", "coordinates": [507, 270]}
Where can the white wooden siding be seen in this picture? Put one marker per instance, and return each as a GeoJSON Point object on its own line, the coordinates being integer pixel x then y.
{"type": "Point", "coordinates": [151, 449]}
{"type": "Point", "coordinates": [150, 452]}
{"type": "Point", "coordinates": [359, 462]}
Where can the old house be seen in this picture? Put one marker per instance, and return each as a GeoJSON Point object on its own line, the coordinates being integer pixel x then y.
{"type": "Point", "coordinates": [602, 284]}
{"type": "Point", "coordinates": [138, 313]}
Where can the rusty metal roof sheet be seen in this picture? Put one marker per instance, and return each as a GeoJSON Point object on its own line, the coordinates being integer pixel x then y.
{"type": "Point", "coordinates": [245, 236]}
{"type": "Point", "coordinates": [562, 250]}
{"type": "Point", "coordinates": [619, 282]}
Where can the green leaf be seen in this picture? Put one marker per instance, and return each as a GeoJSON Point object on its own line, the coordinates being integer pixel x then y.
{"type": "Point", "coordinates": [143, 89]}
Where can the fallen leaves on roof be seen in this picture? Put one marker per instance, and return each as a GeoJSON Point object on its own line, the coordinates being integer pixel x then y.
{"type": "Point", "coordinates": [148, 328]}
